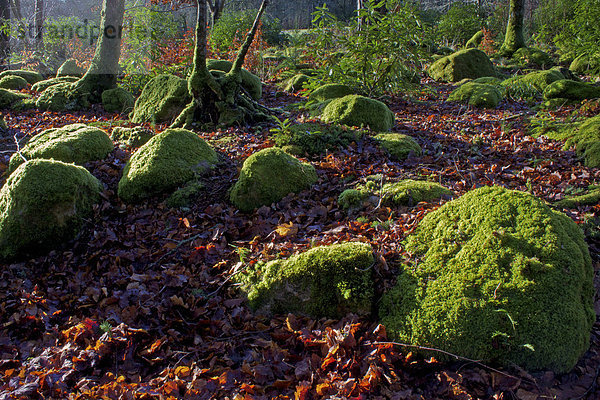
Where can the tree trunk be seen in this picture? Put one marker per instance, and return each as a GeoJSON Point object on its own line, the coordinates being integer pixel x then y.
{"type": "Point", "coordinates": [4, 37]}
{"type": "Point", "coordinates": [218, 100]}
{"type": "Point", "coordinates": [39, 24]}
{"type": "Point", "coordinates": [216, 10]}
{"type": "Point", "coordinates": [104, 67]}
{"type": "Point", "coordinates": [514, 38]}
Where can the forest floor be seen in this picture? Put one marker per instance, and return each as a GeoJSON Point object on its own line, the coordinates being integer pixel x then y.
{"type": "Point", "coordinates": [141, 305]}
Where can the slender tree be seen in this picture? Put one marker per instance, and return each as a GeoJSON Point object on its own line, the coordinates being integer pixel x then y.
{"type": "Point", "coordinates": [216, 9]}
{"type": "Point", "coordinates": [218, 100]}
{"type": "Point", "coordinates": [39, 23]}
{"type": "Point", "coordinates": [4, 36]}
{"type": "Point", "coordinates": [514, 38]}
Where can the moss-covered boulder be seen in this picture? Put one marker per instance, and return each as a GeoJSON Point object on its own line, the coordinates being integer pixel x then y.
{"type": "Point", "coordinates": [406, 192]}
{"type": "Point", "coordinates": [586, 63]}
{"type": "Point", "coordinates": [9, 99]}
{"type": "Point", "coordinates": [43, 85]}
{"type": "Point", "coordinates": [468, 63]}
{"type": "Point", "coordinates": [43, 203]}
{"type": "Point", "coordinates": [63, 97]}
{"type": "Point", "coordinates": [475, 40]}
{"type": "Point", "coordinates": [531, 85]}
{"type": "Point", "coordinates": [499, 277]}
{"type": "Point", "coordinates": [296, 83]}
{"type": "Point", "coordinates": [161, 100]}
{"type": "Point", "coordinates": [133, 137]}
{"type": "Point", "coordinates": [30, 76]}
{"type": "Point", "coordinates": [250, 82]}
{"type": "Point", "coordinates": [488, 80]}
{"type": "Point", "coordinates": [315, 138]}
{"type": "Point", "coordinates": [117, 100]}
{"type": "Point", "coordinates": [326, 281]}
{"type": "Point", "coordinates": [13, 82]}
{"type": "Point", "coordinates": [532, 57]}
{"type": "Point", "coordinates": [167, 161]}
{"type": "Point", "coordinates": [355, 110]}
{"type": "Point", "coordinates": [398, 145]}
{"type": "Point", "coordinates": [477, 95]}
{"type": "Point", "coordinates": [330, 91]}
{"type": "Point", "coordinates": [269, 175]}
{"type": "Point", "coordinates": [77, 143]}
{"type": "Point", "coordinates": [572, 90]}
{"type": "Point", "coordinates": [70, 68]}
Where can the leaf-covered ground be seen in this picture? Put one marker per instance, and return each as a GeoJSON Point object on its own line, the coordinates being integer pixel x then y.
{"type": "Point", "coordinates": [141, 304]}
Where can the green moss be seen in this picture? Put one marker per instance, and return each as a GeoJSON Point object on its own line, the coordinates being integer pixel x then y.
{"type": "Point", "coordinates": [489, 80]}
{"type": "Point", "coordinates": [403, 193]}
{"type": "Point", "coordinates": [63, 97]}
{"type": "Point", "coordinates": [584, 136]}
{"type": "Point", "coordinates": [531, 85]}
{"type": "Point", "coordinates": [477, 95]}
{"type": "Point", "coordinates": [250, 82]}
{"type": "Point", "coordinates": [30, 76]}
{"type": "Point", "coordinates": [330, 91]}
{"type": "Point", "coordinates": [117, 100]}
{"type": "Point", "coordinates": [468, 63]}
{"type": "Point", "coordinates": [77, 143]}
{"type": "Point", "coordinates": [161, 100]}
{"type": "Point", "coordinates": [314, 138]}
{"type": "Point", "coordinates": [133, 137]}
{"type": "Point", "coordinates": [269, 175]}
{"type": "Point", "coordinates": [355, 110]}
{"type": "Point", "coordinates": [398, 145]}
{"type": "Point", "coordinates": [530, 56]}
{"type": "Point", "coordinates": [475, 40]}
{"type": "Point", "coordinates": [167, 161]}
{"type": "Point", "coordinates": [70, 68]}
{"type": "Point", "coordinates": [572, 90]}
{"type": "Point", "coordinates": [586, 63]}
{"type": "Point", "coordinates": [590, 198]}
{"type": "Point", "coordinates": [184, 197]}
{"type": "Point", "coordinates": [499, 277]}
{"type": "Point", "coordinates": [13, 82]}
{"type": "Point", "coordinates": [296, 83]}
{"type": "Point", "coordinates": [327, 281]}
{"type": "Point", "coordinates": [8, 98]}
{"type": "Point", "coordinates": [43, 203]}
{"type": "Point", "coordinates": [43, 85]}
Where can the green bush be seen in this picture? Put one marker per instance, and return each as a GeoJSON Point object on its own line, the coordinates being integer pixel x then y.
{"type": "Point", "coordinates": [231, 29]}
{"type": "Point", "coordinates": [460, 23]}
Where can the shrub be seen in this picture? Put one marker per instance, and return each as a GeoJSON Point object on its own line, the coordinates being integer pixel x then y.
{"type": "Point", "coordinates": [460, 23]}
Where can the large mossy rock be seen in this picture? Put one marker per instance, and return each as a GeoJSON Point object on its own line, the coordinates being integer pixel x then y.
{"type": "Point", "coordinates": [398, 145]}
{"type": "Point", "coordinates": [43, 203]}
{"type": "Point", "coordinates": [571, 90]}
{"type": "Point", "coordinates": [70, 68]}
{"type": "Point", "coordinates": [77, 143]}
{"type": "Point", "coordinates": [9, 99]}
{"type": "Point", "coordinates": [531, 85]}
{"type": "Point", "coordinates": [117, 100]}
{"type": "Point", "coordinates": [500, 277]}
{"type": "Point", "coordinates": [295, 83]}
{"type": "Point", "coordinates": [330, 91]}
{"type": "Point", "coordinates": [269, 175]}
{"type": "Point", "coordinates": [468, 63]}
{"type": "Point", "coordinates": [43, 85]}
{"type": "Point", "coordinates": [586, 63]}
{"type": "Point", "coordinates": [13, 82]}
{"type": "Point", "coordinates": [63, 97]}
{"type": "Point", "coordinates": [355, 110]}
{"type": "Point", "coordinates": [406, 192]}
{"type": "Point", "coordinates": [250, 82]}
{"type": "Point", "coordinates": [167, 161]}
{"type": "Point", "coordinates": [134, 137]}
{"type": "Point", "coordinates": [326, 281]}
{"type": "Point", "coordinates": [477, 95]}
{"type": "Point", "coordinates": [161, 100]}
{"type": "Point", "coordinates": [314, 138]}
{"type": "Point", "coordinates": [30, 76]}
